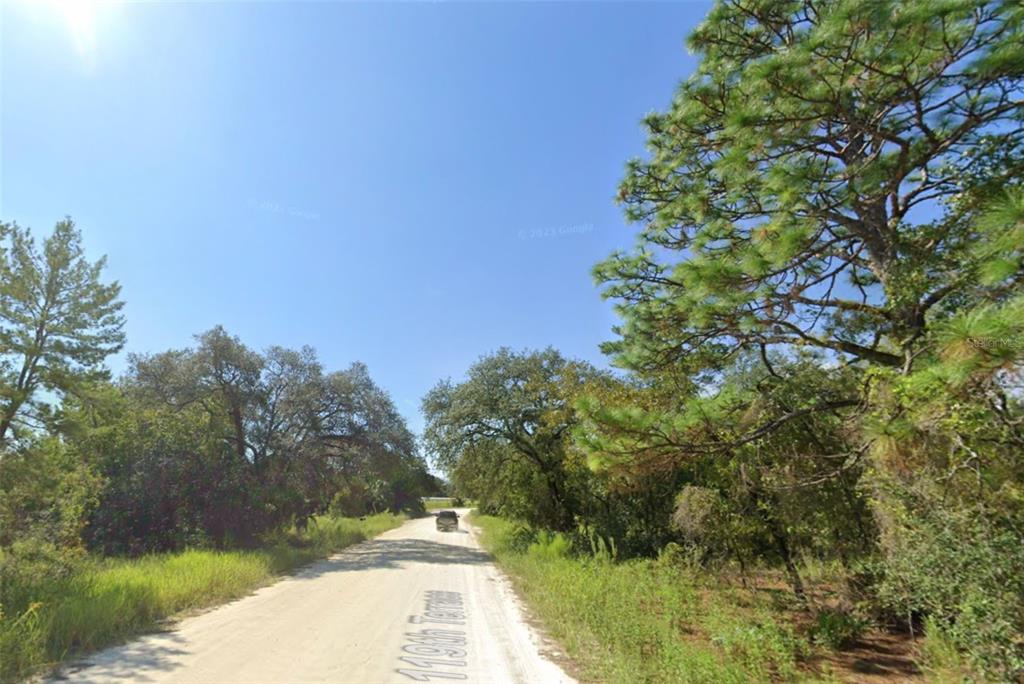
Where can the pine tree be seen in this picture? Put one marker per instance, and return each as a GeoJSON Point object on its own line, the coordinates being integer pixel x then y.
{"type": "Point", "coordinates": [58, 321]}
{"type": "Point", "coordinates": [815, 182]}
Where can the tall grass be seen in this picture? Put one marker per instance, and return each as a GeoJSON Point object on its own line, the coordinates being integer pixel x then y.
{"type": "Point", "coordinates": [941, 659]}
{"type": "Point", "coordinates": [646, 620]}
{"type": "Point", "coordinates": [55, 609]}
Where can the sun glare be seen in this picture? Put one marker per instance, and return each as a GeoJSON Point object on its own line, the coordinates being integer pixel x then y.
{"type": "Point", "coordinates": [80, 18]}
{"type": "Point", "coordinates": [80, 15]}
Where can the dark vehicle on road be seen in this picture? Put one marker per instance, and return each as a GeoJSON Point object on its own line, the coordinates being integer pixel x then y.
{"type": "Point", "coordinates": [447, 521]}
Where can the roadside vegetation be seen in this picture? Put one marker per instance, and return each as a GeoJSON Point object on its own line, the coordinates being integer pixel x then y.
{"type": "Point", "coordinates": [673, 618]}
{"type": "Point", "coordinates": [67, 603]}
{"type": "Point", "coordinates": [647, 620]}
{"type": "Point", "coordinates": [812, 435]}
{"type": "Point", "coordinates": [196, 475]}
{"type": "Point", "coordinates": [439, 504]}
{"type": "Point", "coordinates": [819, 364]}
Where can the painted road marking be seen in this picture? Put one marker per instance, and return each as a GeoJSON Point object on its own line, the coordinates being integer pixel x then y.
{"type": "Point", "coordinates": [435, 646]}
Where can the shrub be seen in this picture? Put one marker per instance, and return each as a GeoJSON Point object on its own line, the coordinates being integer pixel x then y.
{"type": "Point", "coordinates": [517, 538]}
{"type": "Point", "coordinates": [940, 657]}
{"type": "Point", "coordinates": [550, 546]}
{"type": "Point", "coordinates": [961, 567]}
{"type": "Point", "coordinates": [837, 628]}
{"type": "Point", "coordinates": [33, 570]}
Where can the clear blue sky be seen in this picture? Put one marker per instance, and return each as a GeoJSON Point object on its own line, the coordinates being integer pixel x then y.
{"type": "Point", "coordinates": [411, 185]}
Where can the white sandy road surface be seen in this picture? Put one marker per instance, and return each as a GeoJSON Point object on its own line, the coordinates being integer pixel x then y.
{"type": "Point", "coordinates": [411, 605]}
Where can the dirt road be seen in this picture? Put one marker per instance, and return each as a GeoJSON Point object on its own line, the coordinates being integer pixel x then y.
{"type": "Point", "coordinates": [411, 605]}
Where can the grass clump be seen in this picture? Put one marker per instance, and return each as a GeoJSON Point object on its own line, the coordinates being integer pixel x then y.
{"type": "Point", "coordinates": [941, 658]}
{"type": "Point", "coordinates": [645, 620]}
{"type": "Point", "coordinates": [55, 604]}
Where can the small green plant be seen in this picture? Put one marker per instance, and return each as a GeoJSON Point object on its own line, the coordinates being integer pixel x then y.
{"type": "Point", "coordinates": [550, 546]}
{"type": "Point", "coordinates": [518, 538]}
{"type": "Point", "coordinates": [837, 629]}
{"type": "Point", "coordinates": [601, 549]}
{"type": "Point", "coordinates": [940, 657]}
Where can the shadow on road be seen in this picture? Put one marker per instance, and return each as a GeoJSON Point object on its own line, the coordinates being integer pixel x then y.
{"type": "Point", "coordinates": [394, 554]}
{"type": "Point", "coordinates": [161, 652]}
{"type": "Point", "coordinates": [130, 662]}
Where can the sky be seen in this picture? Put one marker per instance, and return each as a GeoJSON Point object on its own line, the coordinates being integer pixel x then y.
{"type": "Point", "coordinates": [407, 184]}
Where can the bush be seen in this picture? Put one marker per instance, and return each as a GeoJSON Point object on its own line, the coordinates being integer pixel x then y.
{"type": "Point", "coordinates": [962, 569]}
{"type": "Point", "coordinates": [940, 658]}
{"type": "Point", "coordinates": [837, 628]}
{"type": "Point", "coordinates": [516, 538]}
{"type": "Point", "coordinates": [33, 570]}
{"type": "Point", "coordinates": [47, 493]}
{"type": "Point", "coordinates": [550, 546]}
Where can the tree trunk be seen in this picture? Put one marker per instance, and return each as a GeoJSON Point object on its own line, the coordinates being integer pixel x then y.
{"type": "Point", "coordinates": [5, 425]}
{"type": "Point", "coordinates": [781, 542]}
{"type": "Point", "coordinates": [787, 557]}
{"type": "Point", "coordinates": [565, 515]}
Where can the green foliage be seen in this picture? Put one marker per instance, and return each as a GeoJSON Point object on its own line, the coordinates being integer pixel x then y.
{"type": "Point", "coordinates": [502, 434]}
{"type": "Point", "coordinates": [822, 320]}
{"type": "Point", "coordinates": [516, 538]}
{"type": "Point", "coordinates": [948, 489]}
{"type": "Point", "coordinates": [941, 658]}
{"type": "Point", "coordinates": [761, 472]}
{"type": "Point", "coordinates": [644, 620]}
{"type": "Point", "coordinates": [782, 199]}
{"type": "Point", "coordinates": [58, 322]}
{"type": "Point", "coordinates": [842, 177]}
{"type": "Point", "coordinates": [506, 437]}
{"type": "Point", "coordinates": [46, 492]}
{"type": "Point", "coordinates": [550, 546]}
{"type": "Point", "coordinates": [169, 483]}
{"type": "Point", "coordinates": [960, 568]}
{"type": "Point", "coordinates": [837, 628]}
{"type": "Point", "coordinates": [215, 446]}
{"type": "Point", "coordinates": [303, 432]}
